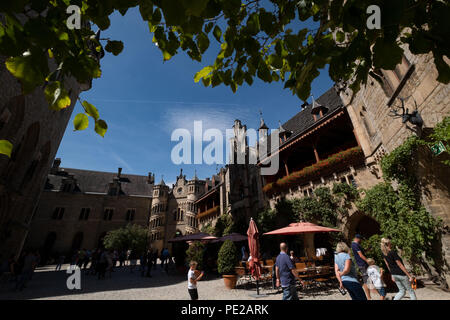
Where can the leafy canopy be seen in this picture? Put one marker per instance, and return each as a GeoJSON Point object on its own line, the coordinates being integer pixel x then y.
{"type": "Point", "coordinates": [287, 40]}
{"type": "Point", "coordinates": [276, 40]}
{"type": "Point", "coordinates": [132, 237]}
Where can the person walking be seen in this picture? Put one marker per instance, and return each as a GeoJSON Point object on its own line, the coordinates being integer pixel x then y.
{"type": "Point", "coordinates": [133, 260]}
{"type": "Point", "coordinates": [375, 274]}
{"type": "Point", "coordinates": [346, 273]}
{"type": "Point", "coordinates": [400, 275]}
{"type": "Point", "coordinates": [143, 263]}
{"type": "Point", "coordinates": [102, 264]}
{"type": "Point", "coordinates": [244, 255]}
{"type": "Point", "coordinates": [149, 259]}
{"type": "Point", "coordinates": [192, 280]}
{"type": "Point", "coordinates": [286, 274]}
{"type": "Point", "coordinates": [361, 262]}
{"type": "Point", "coordinates": [61, 259]}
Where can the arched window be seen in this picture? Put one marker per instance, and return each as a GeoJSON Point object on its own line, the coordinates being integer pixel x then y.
{"type": "Point", "coordinates": [23, 154]}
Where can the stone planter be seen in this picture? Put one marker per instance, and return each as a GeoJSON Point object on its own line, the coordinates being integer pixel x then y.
{"type": "Point", "coordinates": [230, 281]}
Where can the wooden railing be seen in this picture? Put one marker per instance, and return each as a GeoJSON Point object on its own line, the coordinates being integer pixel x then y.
{"type": "Point", "coordinates": [335, 162]}
{"type": "Point", "coordinates": [208, 212]}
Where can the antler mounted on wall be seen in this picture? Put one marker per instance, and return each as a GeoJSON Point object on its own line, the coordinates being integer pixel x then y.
{"type": "Point", "coordinates": [413, 117]}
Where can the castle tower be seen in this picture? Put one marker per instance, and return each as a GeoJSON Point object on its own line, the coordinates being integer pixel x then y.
{"type": "Point", "coordinates": [195, 187]}
{"type": "Point", "coordinates": [158, 214]}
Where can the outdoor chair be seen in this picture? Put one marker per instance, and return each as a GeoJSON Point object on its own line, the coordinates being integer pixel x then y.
{"type": "Point", "coordinates": [300, 265]}
{"type": "Point", "coordinates": [269, 262]}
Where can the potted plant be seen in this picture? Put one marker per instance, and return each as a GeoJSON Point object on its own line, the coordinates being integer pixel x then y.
{"type": "Point", "coordinates": [196, 252]}
{"type": "Point", "coordinates": [226, 263]}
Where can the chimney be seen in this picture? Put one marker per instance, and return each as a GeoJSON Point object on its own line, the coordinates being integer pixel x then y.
{"type": "Point", "coordinates": [150, 178]}
{"type": "Point", "coordinates": [119, 172]}
{"type": "Point", "coordinates": [56, 163]}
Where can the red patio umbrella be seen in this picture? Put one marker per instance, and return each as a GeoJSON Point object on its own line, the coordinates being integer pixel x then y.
{"type": "Point", "coordinates": [301, 227]}
{"type": "Point", "coordinates": [193, 237]}
{"type": "Point", "coordinates": [253, 245]}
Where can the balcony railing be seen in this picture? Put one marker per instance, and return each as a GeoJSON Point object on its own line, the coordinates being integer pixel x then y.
{"type": "Point", "coordinates": [208, 212]}
{"type": "Point", "coordinates": [335, 162]}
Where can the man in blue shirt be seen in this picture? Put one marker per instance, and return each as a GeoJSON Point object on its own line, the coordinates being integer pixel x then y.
{"type": "Point", "coordinates": [286, 274]}
{"type": "Point", "coordinates": [361, 262]}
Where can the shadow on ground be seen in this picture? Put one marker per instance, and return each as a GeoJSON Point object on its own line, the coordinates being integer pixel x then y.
{"type": "Point", "coordinates": [48, 283]}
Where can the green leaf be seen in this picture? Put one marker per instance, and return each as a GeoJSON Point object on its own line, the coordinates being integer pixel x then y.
{"type": "Point", "coordinates": [57, 96]}
{"type": "Point", "coordinates": [275, 61]}
{"type": "Point", "coordinates": [115, 47]}
{"type": "Point", "coordinates": [146, 9]}
{"type": "Point", "coordinates": [203, 42]}
{"type": "Point", "coordinates": [203, 73]}
{"type": "Point", "coordinates": [340, 36]}
{"type": "Point", "coordinates": [6, 148]}
{"type": "Point", "coordinates": [166, 55]}
{"type": "Point", "coordinates": [386, 54]}
{"type": "Point", "coordinates": [80, 122]}
{"type": "Point", "coordinates": [217, 33]}
{"type": "Point", "coordinates": [29, 69]}
{"type": "Point", "coordinates": [90, 110]}
{"type": "Point", "coordinates": [156, 17]}
{"type": "Point", "coordinates": [101, 127]}
{"type": "Point", "coordinates": [195, 7]}
{"type": "Point", "coordinates": [208, 27]}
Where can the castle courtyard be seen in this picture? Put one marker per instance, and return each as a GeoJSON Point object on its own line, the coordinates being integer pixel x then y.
{"type": "Point", "coordinates": [48, 284]}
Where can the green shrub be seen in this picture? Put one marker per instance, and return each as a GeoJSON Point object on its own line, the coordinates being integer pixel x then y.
{"type": "Point", "coordinates": [196, 252]}
{"type": "Point", "coordinates": [228, 258]}
{"type": "Point", "coordinates": [373, 249]}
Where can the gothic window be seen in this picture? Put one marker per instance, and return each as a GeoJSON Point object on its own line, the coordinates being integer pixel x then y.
{"type": "Point", "coordinates": [58, 213]}
{"type": "Point", "coordinates": [66, 187]}
{"type": "Point", "coordinates": [366, 121]}
{"type": "Point", "coordinates": [108, 214]}
{"type": "Point", "coordinates": [391, 79]}
{"type": "Point", "coordinates": [84, 214]}
{"type": "Point", "coordinates": [130, 214]}
{"type": "Point", "coordinates": [352, 181]}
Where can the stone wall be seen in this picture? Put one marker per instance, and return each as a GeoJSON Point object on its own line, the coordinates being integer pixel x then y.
{"type": "Point", "coordinates": [379, 132]}
{"type": "Point", "coordinates": [93, 228]}
{"type": "Point", "coordinates": [35, 132]}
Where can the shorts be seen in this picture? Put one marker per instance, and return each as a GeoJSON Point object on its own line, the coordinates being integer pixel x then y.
{"type": "Point", "coordinates": [193, 293]}
{"type": "Point", "coordinates": [382, 291]}
{"type": "Point", "coordinates": [365, 276]}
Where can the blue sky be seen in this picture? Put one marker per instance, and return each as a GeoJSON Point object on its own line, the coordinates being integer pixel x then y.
{"type": "Point", "coordinates": [143, 99]}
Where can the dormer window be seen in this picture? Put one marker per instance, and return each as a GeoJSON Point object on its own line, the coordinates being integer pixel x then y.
{"type": "Point", "coordinates": [318, 110]}
{"type": "Point", "coordinates": [113, 191]}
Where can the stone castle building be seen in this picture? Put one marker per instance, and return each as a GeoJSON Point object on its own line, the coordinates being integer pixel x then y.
{"type": "Point", "coordinates": [78, 207]}
{"type": "Point", "coordinates": [338, 138]}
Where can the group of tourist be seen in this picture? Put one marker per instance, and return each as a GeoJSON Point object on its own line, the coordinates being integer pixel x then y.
{"type": "Point", "coordinates": [101, 262]}
{"type": "Point", "coordinates": [372, 275]}
{"type": "Point", "coordinates": [21, 269]}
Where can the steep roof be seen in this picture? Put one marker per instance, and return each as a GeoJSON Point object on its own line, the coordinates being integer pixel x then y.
{"type": "Point", "coordinates": [97, 181]}
{"type": "Point", "coordinates": [304, 120]}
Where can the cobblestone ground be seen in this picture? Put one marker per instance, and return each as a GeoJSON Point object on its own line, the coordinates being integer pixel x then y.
{"type": "Point", "coordinates": [124, 285]}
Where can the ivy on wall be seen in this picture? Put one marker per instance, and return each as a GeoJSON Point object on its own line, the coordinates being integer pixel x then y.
{"type": "Point", "coordinates": [399, 211]}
